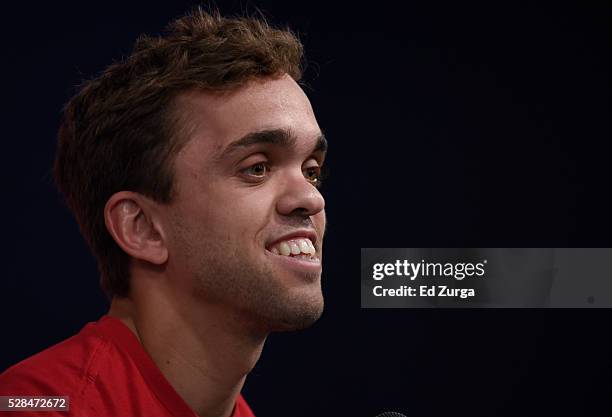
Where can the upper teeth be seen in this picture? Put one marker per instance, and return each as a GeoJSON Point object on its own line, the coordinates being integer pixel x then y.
{"type": "Point", "coordinates": [294, 247]}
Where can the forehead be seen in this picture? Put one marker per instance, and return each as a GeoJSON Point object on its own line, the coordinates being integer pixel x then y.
{"type": "Point", "coordinates": [216, 119]}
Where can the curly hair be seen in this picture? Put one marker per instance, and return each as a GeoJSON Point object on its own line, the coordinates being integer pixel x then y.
{"type": "Point", "coordinates": [122, 130]}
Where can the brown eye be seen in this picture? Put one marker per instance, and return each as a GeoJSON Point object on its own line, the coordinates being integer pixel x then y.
{"type": "Point", "coordinates": [258, 170]}
{"type": "Point", "coordinates": [313, 174]}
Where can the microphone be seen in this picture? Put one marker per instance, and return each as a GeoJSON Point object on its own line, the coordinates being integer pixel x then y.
{"type": "Point", "coordinates": [390, 414]}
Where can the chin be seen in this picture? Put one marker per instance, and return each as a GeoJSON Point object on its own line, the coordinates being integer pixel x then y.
{"type": "Point", "coordinates": [299, 314]}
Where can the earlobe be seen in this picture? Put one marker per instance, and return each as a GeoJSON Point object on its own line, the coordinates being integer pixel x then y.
{"type": "Point", "coordinates": [129, 222]}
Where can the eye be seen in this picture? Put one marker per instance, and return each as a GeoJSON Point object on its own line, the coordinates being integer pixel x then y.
{"type": "Point", "coordinates": [258, 170]}
{"type": "Point", "coordinates": [313, 175]}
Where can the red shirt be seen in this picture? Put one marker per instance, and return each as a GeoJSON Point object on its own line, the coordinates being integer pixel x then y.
{"type": "Point", "coordinates": [105, 371]}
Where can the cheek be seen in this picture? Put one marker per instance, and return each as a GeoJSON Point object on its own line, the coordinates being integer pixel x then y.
{"type": "Point", "coordinates": [226, 212]}
{"type": "Point", "coordinates": [240, 214]}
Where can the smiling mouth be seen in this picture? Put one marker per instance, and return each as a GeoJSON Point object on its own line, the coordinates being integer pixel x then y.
{"type": "Point", "coordinates": [298, 248]}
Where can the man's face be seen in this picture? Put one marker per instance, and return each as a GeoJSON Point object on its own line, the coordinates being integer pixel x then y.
{"type": "Point", "coordinates": [246, 194]}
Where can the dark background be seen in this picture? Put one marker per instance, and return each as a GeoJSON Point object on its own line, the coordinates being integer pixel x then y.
{"type": "Point", "coordinates": [450, 125]}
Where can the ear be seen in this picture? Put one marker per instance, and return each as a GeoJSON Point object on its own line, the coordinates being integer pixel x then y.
{"type": "Point", "coordinates": [131, 221]}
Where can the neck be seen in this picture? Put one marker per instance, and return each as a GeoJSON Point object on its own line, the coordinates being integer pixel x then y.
{"type": "Point", "coordinates": [203, 352]}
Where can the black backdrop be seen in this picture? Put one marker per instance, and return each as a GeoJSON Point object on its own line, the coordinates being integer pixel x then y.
{"type": "Point", "coordinates": [449, 125]}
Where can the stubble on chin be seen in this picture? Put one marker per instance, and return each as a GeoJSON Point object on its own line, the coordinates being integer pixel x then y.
{"type": "Point", "coordinates": [257, 294]}
{"type": "Point", "coordinates": [245, 285]}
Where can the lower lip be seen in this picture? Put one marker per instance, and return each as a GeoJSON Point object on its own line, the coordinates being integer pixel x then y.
{"type": "Point", "coordinates": [298, 264]}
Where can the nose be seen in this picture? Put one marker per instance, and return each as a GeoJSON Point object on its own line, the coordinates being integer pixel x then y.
{"type": "Point", "coordinates": [299, 197]}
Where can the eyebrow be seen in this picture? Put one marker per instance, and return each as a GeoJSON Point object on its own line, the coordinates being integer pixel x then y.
{"type": "Point", "coordinates": [279, 137]}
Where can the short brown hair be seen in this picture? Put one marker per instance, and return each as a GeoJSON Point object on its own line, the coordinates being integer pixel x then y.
{"type": "Point", "coordinates": [120, 132]}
